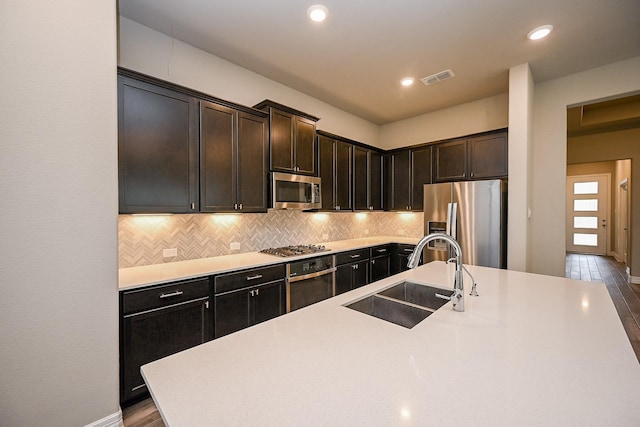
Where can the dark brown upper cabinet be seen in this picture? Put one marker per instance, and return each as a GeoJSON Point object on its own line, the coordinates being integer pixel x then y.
{"type": "Point", "coordinates": [335, 166]}
{"type": "Point", "coordinates": [292, 139]}
{"type": "Point", "coordinates": [420, 175]}
{"type": "Point", "coordinates": [407, 171]}
{"type": "Point", "coordinates": [450, 161]}
{"type": "Point", "coordinates": [367, 179]}
{"type": "Point", "coordinates": [479, 157]}
{"type": "Point", "coordinates": [157, 149]}
{"type": "Point", "coordinates": [488, 157]}
{"type": "Point", "coordinates": [233, 160]}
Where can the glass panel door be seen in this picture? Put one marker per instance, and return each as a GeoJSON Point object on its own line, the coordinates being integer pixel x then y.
{"type": "Point", "coordinates": [587, 208]}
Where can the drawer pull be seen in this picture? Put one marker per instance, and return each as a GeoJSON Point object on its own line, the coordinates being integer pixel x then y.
{"type": "Point", "coordinates": [381, 250]}
{"type": "Point", "coordinates": [172, 294]}
{"type": "Point", "coordinates": [355, 256]}
{"type": "Point", "coordinates": [409, 250]}
{"type": "Point", "coordinates": [257, 276]}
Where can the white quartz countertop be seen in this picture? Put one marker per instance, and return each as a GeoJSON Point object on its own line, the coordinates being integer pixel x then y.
{"type": "Point", "coordinates": [133, 277]}
{"type": "Point", "coordinates": [530, 350]}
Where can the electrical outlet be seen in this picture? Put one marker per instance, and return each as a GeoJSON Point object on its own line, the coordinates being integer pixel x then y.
{"type": "Point", "coordinates": [235, 246]}
{"type": "Point", "coordinates": [325, 237]}
{"type": "Point", "coordinates": [400, 232]}
{"type": "Point", "coordinates": [366, 232]}
{"type": "Point", "coordinates": [168, 253]}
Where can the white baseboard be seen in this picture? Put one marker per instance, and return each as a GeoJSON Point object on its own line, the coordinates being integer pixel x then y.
{"type": "Point", "coordinates": [113, 420]}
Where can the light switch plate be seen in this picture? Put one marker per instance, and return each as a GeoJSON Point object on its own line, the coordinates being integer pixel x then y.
{"type": "Point", "coordinates": [325, 237]}
{"type": "Point", "coordinates": [235, 246]}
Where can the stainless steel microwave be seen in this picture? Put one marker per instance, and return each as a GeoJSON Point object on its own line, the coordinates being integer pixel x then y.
{"type": "Point", "coordinates": [289, 191]}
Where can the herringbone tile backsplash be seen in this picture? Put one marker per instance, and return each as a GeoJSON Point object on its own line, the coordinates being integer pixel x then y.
{"type": "Point", "coordinates": [141, 239]}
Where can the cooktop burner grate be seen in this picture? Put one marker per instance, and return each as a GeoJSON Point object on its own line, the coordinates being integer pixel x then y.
{"type": "Point", "coordinates": [294, 250]}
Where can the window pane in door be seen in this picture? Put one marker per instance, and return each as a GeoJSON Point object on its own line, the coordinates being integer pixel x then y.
{"type": "Point", "coordinates": [585, 187]}
{"type": "Point", "coordinates": [585, 205]}
{"type": "Point", "coordinates": [585, 222]}
{"type": "Point", "coordinates": [585, 239]}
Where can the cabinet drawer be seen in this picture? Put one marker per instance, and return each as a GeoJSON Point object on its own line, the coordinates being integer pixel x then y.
{"type": "Point", "coordinates": [383, 250]}
{"type": "Point", "coordinates": [404, 249]}
{"type": "Point", "coordinates": [242, 279]}
{"type": "Point", "coordinates": [164, 295]}
{"type": "Point", "coordinates": [352, 256]}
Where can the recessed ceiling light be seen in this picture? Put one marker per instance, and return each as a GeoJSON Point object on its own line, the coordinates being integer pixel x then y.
{"type": "Point", "coordinates": [539, 32]}
{"type": "Point", "coordinates": [407, 81]}
{"type": "Point", "coordinates": [318, 12]}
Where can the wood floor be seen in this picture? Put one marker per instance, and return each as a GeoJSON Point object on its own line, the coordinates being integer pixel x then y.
{"type": "Point", "coordinates": [142, 414]}
{"type": "Point", "coordinates": [625, 297]}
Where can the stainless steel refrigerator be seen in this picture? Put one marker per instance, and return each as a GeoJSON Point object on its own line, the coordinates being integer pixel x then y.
{"type": "Point", "coordinates": [472, 212]}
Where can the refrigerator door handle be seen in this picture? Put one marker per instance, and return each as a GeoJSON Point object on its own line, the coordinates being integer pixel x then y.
{"type": "Point", "coordinates": [452, 229]}
{"type": "Point", "coordinates": [452, 219]}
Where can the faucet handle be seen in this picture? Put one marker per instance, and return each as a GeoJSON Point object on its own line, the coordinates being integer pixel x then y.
{"type": "Point", "coordinates": [448, 298]}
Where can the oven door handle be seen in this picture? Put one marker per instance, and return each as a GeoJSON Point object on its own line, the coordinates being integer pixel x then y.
{"type": "Point", "coordinates": [312, 275]}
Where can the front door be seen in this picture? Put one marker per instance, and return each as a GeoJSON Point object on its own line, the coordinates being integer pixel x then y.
{"type": "Point", "coordinates": [587, 213]}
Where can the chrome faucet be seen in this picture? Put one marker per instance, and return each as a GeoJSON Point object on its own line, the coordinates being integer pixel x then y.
{"type": "Point", "coordinates": [458, 287]}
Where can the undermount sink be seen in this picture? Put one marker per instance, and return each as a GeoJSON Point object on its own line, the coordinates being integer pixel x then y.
{"type": "Point", "coordinates": [405, 304]}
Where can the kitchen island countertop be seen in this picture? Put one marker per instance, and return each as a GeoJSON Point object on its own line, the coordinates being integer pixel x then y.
{"type": "Point", "coordinates": [530, 350]}
{"type": "Point", "coordinates": [134, 277]}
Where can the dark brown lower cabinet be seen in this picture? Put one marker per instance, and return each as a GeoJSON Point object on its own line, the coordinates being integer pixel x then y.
{"type": "Point", "coordinates": [351, 276]}
{"type": "Point", "coordinates": [158, 322]}
{"type": "Point", "coordinates": [239, 309]}
{"type": "Point", "coordinates": [400, 256]}
{"type": "Point", "coordinates": [380, 262]}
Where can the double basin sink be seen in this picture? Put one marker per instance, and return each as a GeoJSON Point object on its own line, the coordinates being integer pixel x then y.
{"type": "Point", "coordinates": [405, 303]}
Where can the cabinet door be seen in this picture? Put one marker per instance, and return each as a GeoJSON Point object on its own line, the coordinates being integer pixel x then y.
{"type": "Point", "coordinates": [217, 158]}
{"type": "Point", "coordinates": [305, 146]}
{"type": "Point", "coordinates": [400, 180]}
{"type": "Point", "coordinates": [344, 161]}
{"type": "Point", "coordinates": [360, 272]}
{"type": "Point", "coordinates": [360, 179]}
{"type": "Point", "coordinates": [157, 149]}
{"type": "Point", "coordinates": [326, 166]}
{"type": "Point", "coordinates": [231, 312]}
{"type": "Point", "coordinates": [282, 141]}
{"type": "Point", "coordinates": [450, 161]}
{"type": "Point", "coordinates": [375, 180]}
{"type": "Point", "coordinates": [252, 161]}
{"type": "Point", "coordinates": [151, 335]}
{"type": "Point", "coordinates": [344, 278]}
{"type": "Point", "coordinates": [380, 268]}
{"type": "Point", "coordinates": [420, 175]}
{"type": "Point", "coordinates": [266, 302]}
{"type": "Point", "coordinates": [488, 157]}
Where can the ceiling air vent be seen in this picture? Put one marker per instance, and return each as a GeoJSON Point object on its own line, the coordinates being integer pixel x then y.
{"type": "Point", "coordinates": [437, 77]}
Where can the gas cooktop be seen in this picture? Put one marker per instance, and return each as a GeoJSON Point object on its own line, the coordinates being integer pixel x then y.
{"type": "Point", "coordinates": [294, 250]}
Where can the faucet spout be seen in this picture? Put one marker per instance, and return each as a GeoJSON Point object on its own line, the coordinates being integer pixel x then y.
{"type": "Point", "coordinates": [458, 285]}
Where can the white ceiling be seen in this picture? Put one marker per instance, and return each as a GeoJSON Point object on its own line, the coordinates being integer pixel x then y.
{"type": "Point", "coordinates": [356, 58]}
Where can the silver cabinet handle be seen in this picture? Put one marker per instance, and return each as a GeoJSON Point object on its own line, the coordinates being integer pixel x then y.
{"type": "Point", "coordinates": [254, 292]}
{"type": "Point", "coordinates": [240, 205]}
{"type": "Point", "coordinates": [354, 256]}
{"type": "Point", "coordinates": [409, 250]}
{"type": "Point", "coordinates": [381, 250]}
{"type": "Point", "coordinates": [172, 294]}
{"type": "Point", "coordinates": [257, 276]}
{"type": "Point", "coordinates": [193, 206]}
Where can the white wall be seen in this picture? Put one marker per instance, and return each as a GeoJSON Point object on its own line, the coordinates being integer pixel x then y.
{"type": "Point", "coordinates": [155, 54]}
{"type": "Point", "coordinates": [58, 195]}
{"type": "Point", "coordinates": [550, 152]}
{"type": "Point", "coordinates": [464, 119]}
{"type": "Point", "coordinates": [521, 89]}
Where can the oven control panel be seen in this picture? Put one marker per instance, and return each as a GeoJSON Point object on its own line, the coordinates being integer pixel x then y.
{"type": "Point", "coordinates": [311, 265]}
